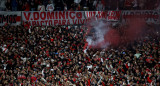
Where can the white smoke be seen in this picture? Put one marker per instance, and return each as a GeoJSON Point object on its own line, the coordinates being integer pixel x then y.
{"type": "Point", "coordinates": [100, 29]}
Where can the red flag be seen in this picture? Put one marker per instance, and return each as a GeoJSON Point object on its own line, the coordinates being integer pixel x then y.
{"type": "Point", "coordinates": [149, 80]}
{"type": "Point", "coordinates": [89, 83]}
{"type": "Point", "coordinates": [103, 84]}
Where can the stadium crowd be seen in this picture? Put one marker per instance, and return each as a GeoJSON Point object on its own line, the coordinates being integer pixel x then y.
{"type": "Point", "coordinates": [53, 56]}
{"type": "Point", "coordinates": [78, 5]}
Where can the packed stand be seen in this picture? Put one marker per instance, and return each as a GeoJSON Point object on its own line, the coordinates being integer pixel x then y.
{"type": "Point", "coordinates": [78, 5]}
{"type": "Point", "coordinates": [53, 56]}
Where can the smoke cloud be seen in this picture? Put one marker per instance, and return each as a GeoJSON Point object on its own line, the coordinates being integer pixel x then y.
{"type": "Point", "coordinates": [102, 34]}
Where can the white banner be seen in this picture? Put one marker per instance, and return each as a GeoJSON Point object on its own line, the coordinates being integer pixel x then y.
{"type": "Point", "coordinates": [150, 16]}
{"type": "Point", "coordinates": [54, 18]}
{"type": "Point", "coordinates": [107, 15]}
{"type": "Point", "coordinates": [74, 17]}
{"type": "Point", "coordinates": [12, 18]}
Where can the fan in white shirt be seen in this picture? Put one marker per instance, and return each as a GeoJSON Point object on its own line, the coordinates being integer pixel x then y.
{"type": "Point", "coordinates": [4, 48]}
{"type": "Point", "coordinates": [41, 8]}
{"type": "Point", "coordinates": [100, 6]}
{"type": "Point", "coordinates": [2, 5]}
{"type": "Point", "coordinates": [77, 1]}
{"type": "Point", "coordinates": [50, 7]}
{"type": "Point", "coordinates": [158, 6]}
{"type": "Point", "coordinates": [135, 3]}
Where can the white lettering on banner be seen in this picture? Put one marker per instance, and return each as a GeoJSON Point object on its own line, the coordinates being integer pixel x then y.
{"type": "Point", "coordinates": [12, 18]}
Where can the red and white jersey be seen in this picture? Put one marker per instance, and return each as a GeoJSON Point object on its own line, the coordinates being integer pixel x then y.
{"type": "Point", "coordinates": [41, 8]}
{"type": "Point", "coordinates": [4, 48]}
{"type": "Point", "coordinates": [50, 7]}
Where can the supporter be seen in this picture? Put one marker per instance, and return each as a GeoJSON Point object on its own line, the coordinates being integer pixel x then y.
{"type": "Point", "coordinates": [50, 6]}
{"type": "Point", "coordinates": [90, 5]}
{"type": "Point", "coordinates": [94, 4]}
{"type": "Point", "coordinates": [32, 5]}
{"type": "Point", "coordinates": [135, 4]}
{"type": "Point", "coordinates": [20, 5]}
{"type": "Point", "coordinates": [45, 2]}
{"type": "Point", "coordinates": [65, 7]}
{"type": "Point", "coordinates": [68, 3]}
{"type": "Point", "coordinates": [41, 7]}
{"type": "Point", "coordinates": [157, 4]}
{"type": "Point", "coordinates": [8, 5]}
{"type": "Point", "coordinates": [26, 7]}
{"type": "Point", "coordinates": [108, 5]}
{"type": "Point", "coordinates": [112, 4]}
{"type": "Point", "coordinates": [54, 56]}
{"type": "Point", "coordinates": [149, 5]}
{"type": "Point", "coordinates": [37, 2]}
{"type": "Point", "coordinates": [77, 4]}
{"type": "Point", "coordinates": [2, 5]}
{"type": "Point", "coordinates": [84, 4]}
{"type": "Point", "coordinates": [14, 5]}
{"type": "Point", "coordinates": [100, 6]}
{"type": "Point", "coordinates": [141, 4]}
{"type": "Point", "coordinates": [128, 4]}
{"type": "Point", "coordinates": [59, 6]}
{"type": "Point", "coordinates": [121, 4]}
{"type": "Point", "coordinates": [158, 7]}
